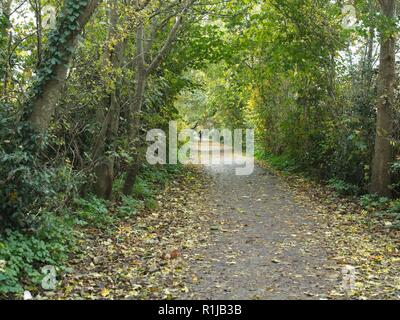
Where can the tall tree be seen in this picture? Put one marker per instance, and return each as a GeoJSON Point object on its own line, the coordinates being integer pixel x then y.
{"type": "Point", "coordinates": [142, 73]}
{"type": "Point", "coordinates": [40, 108]}
{"type": "Point", "coordinates": [108, 113]}
{"type": "Point", "coordinates": [383, 157]}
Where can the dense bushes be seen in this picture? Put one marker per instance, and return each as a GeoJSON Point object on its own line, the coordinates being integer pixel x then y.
{"type": "Point", "coordinates": [28, 185]}
{"type": "Point", "coordinates": [18, 169]}
{"type": "Point", "coordinates": [24, 252]}
{"type": "Point", "coordinates": [91, 126]}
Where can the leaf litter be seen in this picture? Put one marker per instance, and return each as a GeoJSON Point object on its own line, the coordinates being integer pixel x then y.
{"type": "Point", "coordinates": [170, 252]}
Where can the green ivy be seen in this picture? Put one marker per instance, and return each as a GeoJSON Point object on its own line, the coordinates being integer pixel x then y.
{"type": "Point", "coordinates": [57, 51]}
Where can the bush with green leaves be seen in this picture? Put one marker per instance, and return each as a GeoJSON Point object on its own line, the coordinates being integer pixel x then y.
{"type": "Point", "coordinates": [129, 207]}
{"type": "Point", "coordinates": [282, 162]}
{"type": "Point", "coordinates": [22, 255]}
{"type": "Point", "coordinates": [394, 212]}
{"type": "Point", "coordinates": [28, 185]}
{"type": "Point", "coordinates": [159, 176]}
{"type": "Point", "coordinates": [151, 179]}
{"type": "Point", "coordinates": [344, 188]}
{"type": "Point", "coordinates": [374, 202]}
{"type": "Point", "coordinates": [94, 212]}
{"type": "Point", "coordinates": [142, 190]}
{"type": "Point", "coordinates": [21, 180]}
{"type": "Point", "coordinates": [382, 208]}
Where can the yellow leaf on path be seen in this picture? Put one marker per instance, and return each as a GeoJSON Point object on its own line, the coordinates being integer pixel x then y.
{"type": "Point", "coordinates": [105, 292]}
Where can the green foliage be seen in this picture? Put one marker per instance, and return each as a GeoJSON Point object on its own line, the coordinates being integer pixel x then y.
{"type": "Point", "coordinates": [28, 186]}
{"type": "Point", "coordinates": [59, 49]}
{"type": "Point", "coordinates": [373, 202]}
{"type": "Point", "coordinates": [395, 207]}
{"type": "Point", "coordinates": [94, 212]}
{"type": "Point", "coordinates": [22, 255]}
{"type": "Point", "coordinates": [128, 207]}
{"type": "Point", "coordinates": [202, 45]}
{"type": "Point", "coordinates": [344, 188]}
{"type": "Point", "coordinates": [393, 212]}
{"type": "Point", "coordinates": [143, 190]}
{"type": "Point", "coordinates": [383, 209]}
{"type": "Point", "coordinates": [159, 176]}
{"type": "Point", "coordinates": [395, 170]}
{"type": "Point", "coordinates": [280, 162]}
{"type": "Point", "coordinates": [152, 179]}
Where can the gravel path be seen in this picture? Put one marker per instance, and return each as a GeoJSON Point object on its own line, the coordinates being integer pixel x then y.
{"type": "Point", "coordinates": [262, 244]}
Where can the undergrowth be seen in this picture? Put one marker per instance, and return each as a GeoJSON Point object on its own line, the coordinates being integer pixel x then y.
{"type": "Point", "coordinates": [24, 252]}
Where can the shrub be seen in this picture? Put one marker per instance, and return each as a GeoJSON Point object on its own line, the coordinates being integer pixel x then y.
{"type": "Point", "coordinates": [282, 163]}
{"type": "Point", "coordinates": [27, 185]}
{"type": "Point", "coordinates": [129, 206]}
{"type": "Point", "coordinates": [142, 190]}
{"type": "Point", "coordinates": [93, 211]}
{"type": "Point", "coordinates": [374, 202]}
{"type": "Point", "coordinates": [22, 255]}
{"type": "Point", "coordinates": [394, 212]}
{"type": "Point", "coordinates": [344, 188]}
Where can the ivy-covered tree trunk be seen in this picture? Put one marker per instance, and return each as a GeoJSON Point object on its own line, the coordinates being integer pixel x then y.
{"type": "Point", "coordinates": [5, 43]}
{"type": "Point", "coordinates": [39, 30]}
{"type": "Point", "coordinates": [381, 179]}
{"type": "Point", "coordinates": [52, 75]}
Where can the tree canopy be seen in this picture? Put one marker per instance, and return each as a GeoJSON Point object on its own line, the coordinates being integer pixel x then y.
{"type": "Point", "coordinates": [83, 81]}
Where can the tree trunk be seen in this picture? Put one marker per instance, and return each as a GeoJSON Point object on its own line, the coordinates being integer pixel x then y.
{"type": "Point", "coordinates": [135, 109]}
{"type": "Point", "coordinates": [381, 180]}
{"type": "Point", "coordinates": [131, 176]}
{"type": "Point", "coordinates": [41, 108]}
{"type": "Point", "coordinates": [39, 29]}
{"type": "Point", "coordinates": [134, 130]}
{"type": "Point", "coordinates": [104, 170]}
{"type": "Point", "coordinates": [6, 34]}
{"type": "Point", "coordinates": [142, 74]}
